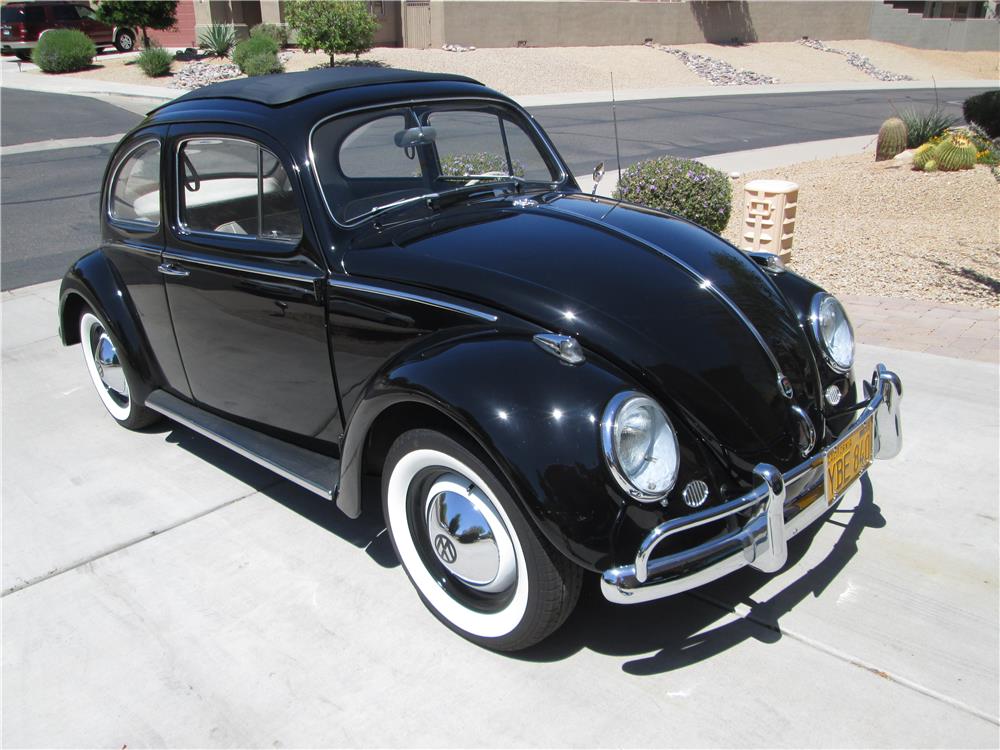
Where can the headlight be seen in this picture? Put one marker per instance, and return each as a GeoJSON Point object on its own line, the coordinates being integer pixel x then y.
{"type": "Point", "coordinates": [640, 446]}
{"type": "Point", "coordinates": [833, 331]}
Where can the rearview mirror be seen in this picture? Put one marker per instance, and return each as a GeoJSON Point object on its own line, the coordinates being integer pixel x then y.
{"type": "Point", "coordinates": [415, 137]}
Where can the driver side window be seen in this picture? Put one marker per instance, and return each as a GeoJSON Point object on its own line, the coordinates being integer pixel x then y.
{"type": "Point", "coordinates": [235, 187]}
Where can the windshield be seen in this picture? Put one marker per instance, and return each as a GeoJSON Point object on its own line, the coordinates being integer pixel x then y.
{"type": "Point", "coordinates": [377, 160]}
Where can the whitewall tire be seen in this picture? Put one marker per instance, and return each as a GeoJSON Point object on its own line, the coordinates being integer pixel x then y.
{"type": "Point", "coordinates": [471, 554]}
{"type": "Point", "coordinates": [111, 374]}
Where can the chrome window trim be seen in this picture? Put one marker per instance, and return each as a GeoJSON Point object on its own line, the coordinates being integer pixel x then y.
{"type": "Point", "coordinates": [817, 300]}
{"type": "Point", "coordinates": [411, 297]}
{"type": "Point", "coordinates": [563, 174]}
{"type": "Point", "coordinates": [131, 224]}
{"type": "Point", "coordinates": [235, 265]}
{"type": "Point", "coordinates": [186, 231]}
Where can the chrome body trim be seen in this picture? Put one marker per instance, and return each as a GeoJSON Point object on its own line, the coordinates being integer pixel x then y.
{"type": "Point", "coordinates": [563, 174]}
{"type": "Point", "coordinates": [411, 297]}
{"type": "Point", "coordinates": [608, 419]}
{"type": "Point", "coordinates": [703, 282]}
{"type": "Point", "coordinates": [809, 431]}
{"type": "Point", "coordinates": [817, 300]}
{"type": "Point", "coordinates": [235, 265]}
{"type": "Point", "coordinates": [761, 542]}
{"type": "Point", "coordinates": [564, 347]}
{"type": "Point", "coordinates": [324, 492]}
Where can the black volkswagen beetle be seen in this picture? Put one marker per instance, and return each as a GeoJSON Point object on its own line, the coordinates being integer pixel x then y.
{"type": "Point", "coordinates": [392, 274]}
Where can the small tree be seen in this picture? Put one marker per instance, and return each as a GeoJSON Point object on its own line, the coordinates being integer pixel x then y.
{"type": "Point", "coordinates": [139, 14]}
{"type": "Point", "coordinates": [343, 26]}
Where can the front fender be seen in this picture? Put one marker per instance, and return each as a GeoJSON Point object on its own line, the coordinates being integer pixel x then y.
{"type": "Point", "coordinates": [537, 417]}
{"type": "Point", "coordinates": [93, 281]}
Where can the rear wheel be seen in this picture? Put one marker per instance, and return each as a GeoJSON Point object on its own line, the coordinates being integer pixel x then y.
{"type": "Point", "coordinates": [125, 40]}
{"type": "Point", "coordinates": [476, 562]}
{"type": "Point", "coordinates": [113, 377]}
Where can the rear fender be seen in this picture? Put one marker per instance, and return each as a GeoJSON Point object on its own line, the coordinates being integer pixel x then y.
{"type": "Point", "coordinates": [92, 281]}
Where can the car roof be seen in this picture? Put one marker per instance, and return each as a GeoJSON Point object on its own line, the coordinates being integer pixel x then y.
{"type": "Point", "coordinates": [285, 88]}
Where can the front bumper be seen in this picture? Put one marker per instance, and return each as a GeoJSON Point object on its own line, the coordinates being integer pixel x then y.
{"type": "Point", "coordinates": [777, 509]}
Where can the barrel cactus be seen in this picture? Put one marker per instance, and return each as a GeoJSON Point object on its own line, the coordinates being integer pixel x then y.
{"type": "Point", "coordinates": [930, 166]}
{"type": "Point", "coordinates": [922, 155]}
{"type": "Point", "coordinates": [891, 139]}
{"type": "Point", "coordinates": [954, 153]}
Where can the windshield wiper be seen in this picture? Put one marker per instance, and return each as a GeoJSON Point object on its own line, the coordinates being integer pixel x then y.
{"type": "Point", "coordinates": [499, 176]}
{"type": "Point", "coordinates": [395, 204]}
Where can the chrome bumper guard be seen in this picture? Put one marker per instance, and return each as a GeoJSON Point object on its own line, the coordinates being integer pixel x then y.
{"type": "Point", "coordinates": [774, 518]}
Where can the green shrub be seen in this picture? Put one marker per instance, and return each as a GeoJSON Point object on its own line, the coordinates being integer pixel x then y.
{"type": "Point", "coordinates": [254, 47]}
{"type": "Point", "coordinates": [217, 39]}
{"type": "Point", "coordinates": [341, 26]}
{"type": "Point", "coordinates": [155, 61]}
{"type": "Point", "coordinates": [481, 163]}
{"type": "Point", "coordinates": [272, 30]}
{"type": "Point", "coordinates": [984, 110]}
{"type": "Point", "coordinates": [922, 126]}
{"type": "Point", "coordinates": [680, 186]}
{"type": "Point", "coordinates": [262, 65]}
{"type": "Point", "coordinates": [63, 51]}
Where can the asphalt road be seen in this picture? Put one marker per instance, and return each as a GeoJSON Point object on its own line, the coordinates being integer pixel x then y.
{"type": "Point", "coordinates": [49, 198]}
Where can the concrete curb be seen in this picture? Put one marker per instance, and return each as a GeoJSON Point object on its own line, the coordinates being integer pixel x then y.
{"type": "Point", "coordinates": [96, 88]}
{"type": "Point", "coordinates": [685, 92]}
{"type": "Point", "coordinates": [756, 159]}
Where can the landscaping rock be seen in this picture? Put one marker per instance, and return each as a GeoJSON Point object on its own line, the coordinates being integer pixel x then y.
{"type": "Point", "coordinates": [862, 63]}
{"type": "Point", "coordinates": [714, 70]}
{"type": "Point", "coordinates": [457, 48]}
{"type": "Point", "coordinates": [194, 75]}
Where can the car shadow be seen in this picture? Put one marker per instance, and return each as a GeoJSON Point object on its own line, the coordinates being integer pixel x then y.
{"type": "Point", "coordinates": [366, 532]}
{"type": "Point", "coordinates": [679, 631]}
{"type": "Point", "coordinates": [663, 636]}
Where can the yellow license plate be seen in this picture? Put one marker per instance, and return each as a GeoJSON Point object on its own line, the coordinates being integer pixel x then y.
{"type": "Point", "coordinates": [846, 462]}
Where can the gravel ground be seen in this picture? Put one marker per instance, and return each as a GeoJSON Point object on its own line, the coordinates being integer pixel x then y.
{"type": "Point", "coordinates": [886, 231]}
{"type": "Point", "coordinates": [547, 70]}
{"type": "Point", "coordinates": [925, 63]}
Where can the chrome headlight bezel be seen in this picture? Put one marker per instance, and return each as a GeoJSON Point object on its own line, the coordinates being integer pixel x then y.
{"type": "Point", "coordinates": [612, 412]}
{"type": "Point", "coordinates": [815, 311]}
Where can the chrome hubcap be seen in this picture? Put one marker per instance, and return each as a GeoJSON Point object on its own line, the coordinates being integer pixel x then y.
{"type": "Point", "coordinates": [109, 367]}
{"type": "Point", "coordinates": [466, 534]}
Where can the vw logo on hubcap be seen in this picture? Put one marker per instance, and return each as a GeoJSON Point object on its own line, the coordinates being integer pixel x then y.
{"type": "Point", "coordinates": [445, 549]}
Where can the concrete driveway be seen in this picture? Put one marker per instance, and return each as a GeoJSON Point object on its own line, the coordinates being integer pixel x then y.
{"type": "Point", "coordinates": [161, 591]}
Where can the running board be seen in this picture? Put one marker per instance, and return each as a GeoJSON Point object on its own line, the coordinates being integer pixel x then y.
{"type": "Point", "coordinates": [314, 471]}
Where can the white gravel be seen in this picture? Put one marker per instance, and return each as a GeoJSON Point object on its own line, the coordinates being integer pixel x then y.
{"type": "Point", "coordinates": [883, 230]}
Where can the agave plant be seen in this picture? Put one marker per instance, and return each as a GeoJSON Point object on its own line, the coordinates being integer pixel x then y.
{"type": "Point", "coordinates": [922, 126]}
{"type": "Point", "coordinates": [218, 39]}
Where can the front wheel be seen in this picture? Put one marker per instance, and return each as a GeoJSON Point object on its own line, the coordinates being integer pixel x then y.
{"type": "Point", "coordinates": [124, 40]}
{"type": "Point", "coordinates": [476, 562]}
{"type": "Point", "coordinates": [113, 377]}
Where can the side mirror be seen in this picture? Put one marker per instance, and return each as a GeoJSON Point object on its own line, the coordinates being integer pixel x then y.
{"type": "Point", "coordinates": [415, 137]}
{"type": "Point", "coordinates": [598, 174]}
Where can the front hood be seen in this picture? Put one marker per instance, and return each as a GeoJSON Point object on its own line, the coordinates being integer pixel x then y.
{"type": "Point", "coordinates": [609, 279]}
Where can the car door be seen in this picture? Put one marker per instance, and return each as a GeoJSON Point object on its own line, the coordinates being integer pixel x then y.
{"type": "Point", "coordinates": [246, 285]}
{"type": "Point", "coordinates": [133, 230]}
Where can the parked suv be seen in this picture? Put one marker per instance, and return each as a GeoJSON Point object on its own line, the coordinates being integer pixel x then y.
{"type": "Point", "coordinates": [21, 25]}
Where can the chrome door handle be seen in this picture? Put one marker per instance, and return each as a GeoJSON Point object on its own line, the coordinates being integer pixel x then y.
{"type": "Point", "coordinates": [169, 269]}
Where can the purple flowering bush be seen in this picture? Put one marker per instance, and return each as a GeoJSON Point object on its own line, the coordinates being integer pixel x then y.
{"type": "Point", "coordinates": [457, 165]}
{"type": "Point", "coordinates": [680, 186]}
